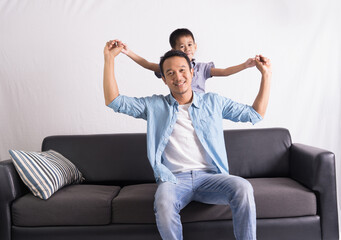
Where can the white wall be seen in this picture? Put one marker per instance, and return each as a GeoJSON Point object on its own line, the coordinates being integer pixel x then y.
{"type": "Point", "coordinates": [51, 63]}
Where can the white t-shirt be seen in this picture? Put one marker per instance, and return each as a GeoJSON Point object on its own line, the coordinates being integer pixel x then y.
{"type": "Point", "coordinates": [184, 152]}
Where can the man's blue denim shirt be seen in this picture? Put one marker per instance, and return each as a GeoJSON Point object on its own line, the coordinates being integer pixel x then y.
{"type": "Point", "coordinates": [206, 111]}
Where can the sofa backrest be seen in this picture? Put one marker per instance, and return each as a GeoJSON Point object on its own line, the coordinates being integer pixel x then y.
{"type": "Point", "coordinates": [260, 152]}
{"type": "Point", "coordinates": [118, 159]}
{"type": "Point", "coordinates": [122, 158]}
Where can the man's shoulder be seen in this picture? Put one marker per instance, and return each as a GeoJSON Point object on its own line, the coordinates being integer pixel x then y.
{"type": "Point", "coordinates": [157, 97]}
{"type": "Point", "coordinates": [210, 101]}
{"type": "Point", "coordinates": [210, 97]}
{"type": "Point", "coordinates": [207, 95]}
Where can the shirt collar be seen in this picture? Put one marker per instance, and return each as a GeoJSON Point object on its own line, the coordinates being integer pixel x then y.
{"type": "Point", "coordinates": [171, 100]}
{"type": "Point", "coordinates": [195, 102]}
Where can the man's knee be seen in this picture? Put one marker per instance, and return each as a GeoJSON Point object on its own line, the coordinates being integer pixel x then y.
{"type": "Point", "coordinates": [244, 190]}
{"type": "Point", "coordinates": [165, 205]}
{"type": "Point", "coordinates": [246, 186]}
{"type": "Point", "coordinates": [165, 199]}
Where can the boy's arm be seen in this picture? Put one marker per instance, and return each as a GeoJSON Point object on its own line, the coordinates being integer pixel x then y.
{"type": "Point", "coordinates": [140, 60]}
{"type": "Point", "coordinates": [219, 72]}
{"type": "Point", "coordinates": [111, 50]}
{"type": "Point", "coordinates": [261, 102]}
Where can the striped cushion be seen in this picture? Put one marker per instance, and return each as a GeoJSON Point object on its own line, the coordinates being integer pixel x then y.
{"type": "Point", "coordinates": [45, 172]}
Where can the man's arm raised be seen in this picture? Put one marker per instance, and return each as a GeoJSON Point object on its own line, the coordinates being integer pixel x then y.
{"type": "Point", "coordinates": [111, 50]}
{"type": "Point", "coordinates": [260, 104]}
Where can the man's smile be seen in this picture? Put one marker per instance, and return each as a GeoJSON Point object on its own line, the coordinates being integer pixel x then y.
{"type": "Point", "coordinates": [180, 83]}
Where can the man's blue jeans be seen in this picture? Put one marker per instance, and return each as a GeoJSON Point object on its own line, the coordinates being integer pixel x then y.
{"type": "Point", "coordinates": [210, 188]}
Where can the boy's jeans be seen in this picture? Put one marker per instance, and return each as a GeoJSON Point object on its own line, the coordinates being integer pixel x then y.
{"type": "Point", "coordinates": [210, 188]}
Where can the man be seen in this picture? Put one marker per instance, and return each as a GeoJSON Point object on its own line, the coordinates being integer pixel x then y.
{"type": "Point", "coordinates": [185, 141]}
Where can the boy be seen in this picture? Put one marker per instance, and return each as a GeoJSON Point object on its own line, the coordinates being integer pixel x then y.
{"type": "Point", "coordinates": [182, 39]}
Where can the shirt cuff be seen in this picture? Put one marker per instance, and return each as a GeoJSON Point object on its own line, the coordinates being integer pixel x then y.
{"type": "Point", "coordinates": [115, 104]}
{"type": "Point", "coordinates": [255, 117]}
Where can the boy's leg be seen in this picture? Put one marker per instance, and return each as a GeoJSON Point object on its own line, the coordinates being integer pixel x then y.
{"type": "Point", "coordinates": [224, 189]}
{"type": "Point", "coordinates": [170, 198]}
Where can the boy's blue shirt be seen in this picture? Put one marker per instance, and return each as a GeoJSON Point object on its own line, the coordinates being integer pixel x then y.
{"type": "Point", "coordinates": [206, 111]}
{"type": "Point", "coordinates": [202, 71]}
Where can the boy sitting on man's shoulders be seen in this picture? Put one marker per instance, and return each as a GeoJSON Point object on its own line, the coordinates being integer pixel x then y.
{"type": "Point", "coordinates": [182, 39]}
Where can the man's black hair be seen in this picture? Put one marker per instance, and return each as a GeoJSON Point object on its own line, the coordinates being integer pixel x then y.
{"type": "Point", "coordinates": [176, 34]}
{"type": "Point", "coordinates": [173, 53]}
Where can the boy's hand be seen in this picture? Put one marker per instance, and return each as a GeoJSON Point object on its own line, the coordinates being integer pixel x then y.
{"type": "Point", "coordinates": [125, 49]}
{"type": "Point", "coordinates": [251, 62]}
{"type": "Point", "coordinates": [112, 49]}
{"type": "Point", "coordinates": [263, 64]}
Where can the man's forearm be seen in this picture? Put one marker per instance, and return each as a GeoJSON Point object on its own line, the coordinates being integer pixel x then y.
{"type": "Point", "coordinates": [109, 82]}
{"type": "Point", "coordinates": [261, 102]}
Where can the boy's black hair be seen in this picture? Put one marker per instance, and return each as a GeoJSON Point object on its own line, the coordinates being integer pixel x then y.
{"type": "Point", "coordinates": [173, 53]}
{"type": "Point", "coordinates": [176, 34]}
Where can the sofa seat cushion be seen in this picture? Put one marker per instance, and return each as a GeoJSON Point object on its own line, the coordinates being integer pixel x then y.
{"type": "Point", "coordinates": [282, 197]}
{"type": "Point", "coordinates": [71, 205]}
{"type": "Point", "coordinates": [275, 198]}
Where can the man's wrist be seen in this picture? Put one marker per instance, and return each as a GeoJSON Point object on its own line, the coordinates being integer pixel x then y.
{"type": "Point", "coordinates": [267, 74]}
{"type": "Point", "coordinates": [108, 58]}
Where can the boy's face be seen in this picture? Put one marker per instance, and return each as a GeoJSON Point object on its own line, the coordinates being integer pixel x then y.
{"type": "Point", "coordinates": [178, 76]}
{"type": "Point", "coordinates": [186, 45]}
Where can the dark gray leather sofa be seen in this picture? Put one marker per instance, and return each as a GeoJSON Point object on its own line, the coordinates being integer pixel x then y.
{"type": "Point", "coordinates": [294, 185]}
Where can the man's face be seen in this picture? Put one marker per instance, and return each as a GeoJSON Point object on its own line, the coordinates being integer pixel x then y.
{"type": "Point", "coordinates": [187, 45]}
{"type": "Point", "coordinates": [178, 76]}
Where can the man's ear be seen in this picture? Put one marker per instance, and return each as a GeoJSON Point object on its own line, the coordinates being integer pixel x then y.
{"type": "Point", "coordinates": [192, 72]}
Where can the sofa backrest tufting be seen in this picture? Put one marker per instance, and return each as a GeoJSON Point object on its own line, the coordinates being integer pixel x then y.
{"type": "Point", "coordinates": [122, 158]}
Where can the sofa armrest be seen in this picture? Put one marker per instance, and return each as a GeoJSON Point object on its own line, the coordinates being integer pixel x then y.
{"type": "Point", "coordinates": [11, 188]}
{"type": "Point", "coordinates": [315, 168]}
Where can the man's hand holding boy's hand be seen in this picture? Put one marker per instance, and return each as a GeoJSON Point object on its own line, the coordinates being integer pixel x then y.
{"type": "Point", "coordinates": [112, 49]}
{"type": "Point", "coordinates": [263, 64]}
